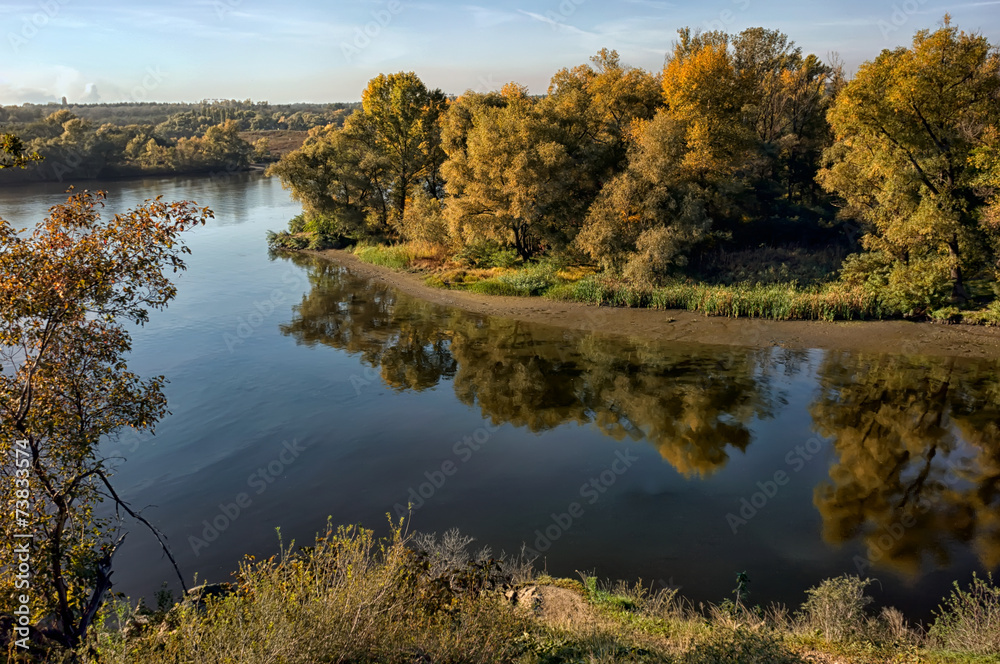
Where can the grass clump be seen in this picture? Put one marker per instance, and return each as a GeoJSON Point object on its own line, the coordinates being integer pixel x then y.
{"type": "Point", "coordinates": [396, 257]}
{"type": "Point", "coordinates": [969, 620]}
{"type": "Point", "coordinates": [529, 281]}
{"type": "Point", "coordinates": [741, 645]}
{"type": "Point", "coordinates": [836, 608]}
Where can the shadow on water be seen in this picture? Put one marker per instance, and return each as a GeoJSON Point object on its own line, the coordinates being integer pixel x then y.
{"type": "Point", "coordinates": [915, 476]}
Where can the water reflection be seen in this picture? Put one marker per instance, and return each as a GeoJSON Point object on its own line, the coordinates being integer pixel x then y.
{"type": "Point", "coordinates": [918, 458]}
{"type": "Point", "coordinates": [916, 471]}
{"type": "Point", "coordinates": [695, 407]}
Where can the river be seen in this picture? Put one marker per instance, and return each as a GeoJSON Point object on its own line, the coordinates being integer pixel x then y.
{"type": "Point", "coordinates": [300, 391]}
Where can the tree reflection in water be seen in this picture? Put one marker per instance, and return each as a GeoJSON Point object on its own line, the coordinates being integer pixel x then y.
{"type": "Point", "coordinates": [917, 445]}
{"type": "Point", "coordinates": [918, 458]}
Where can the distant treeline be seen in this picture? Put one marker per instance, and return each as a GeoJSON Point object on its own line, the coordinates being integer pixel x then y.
{"type": "Point", "coordinates": [741, 142]}
{"type": "Point", "coordinates": [116, 140]}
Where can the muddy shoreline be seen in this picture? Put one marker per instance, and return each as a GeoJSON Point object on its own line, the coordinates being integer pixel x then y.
{"type": "Point", "coordinates": [896, 337]}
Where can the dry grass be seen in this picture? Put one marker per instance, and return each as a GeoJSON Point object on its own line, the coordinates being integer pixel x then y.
{"type": "Point", "coordinates": [355, 598]}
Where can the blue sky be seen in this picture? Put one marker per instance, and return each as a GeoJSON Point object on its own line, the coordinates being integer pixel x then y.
{"type": "Point", "coordinates": [188, 50]}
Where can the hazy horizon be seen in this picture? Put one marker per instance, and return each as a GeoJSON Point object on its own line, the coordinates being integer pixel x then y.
{"type": "Point", "coordinates": [305, 52]}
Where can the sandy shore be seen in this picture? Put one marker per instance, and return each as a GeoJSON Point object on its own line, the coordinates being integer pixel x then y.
{"type": "Point", "coordinates": [684, 326]}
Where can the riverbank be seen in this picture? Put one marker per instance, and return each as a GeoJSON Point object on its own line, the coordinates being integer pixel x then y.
{"type": "Point", "coordinates": [911, 338]}
{"type": "Point", "coordinates": [418, 598]}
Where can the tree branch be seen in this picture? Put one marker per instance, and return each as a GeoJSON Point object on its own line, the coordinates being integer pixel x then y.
{"type": "Point", "coordinates": [138, 517]}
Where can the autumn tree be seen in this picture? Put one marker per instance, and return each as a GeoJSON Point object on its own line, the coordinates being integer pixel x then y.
{"type": "Point", "coordinates": [329, 176]}
{"type": "Point", "coordinates": [68, 290]}
{"type": "Point", "coordinates": [401, 114]}
{"type": "Point", "coordinates": [682, 171]}
{"type": "Point", "coordinates": [513, 177]}
{"type": "Point", "coordinates": [597, 105]}
{"type": "Point", "coordinates": [906, 128]}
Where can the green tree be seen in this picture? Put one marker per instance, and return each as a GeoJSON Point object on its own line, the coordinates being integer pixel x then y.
{"type": "Point", "coordinates": [400, 112]}
{"type": "Point", "coordinates": [327, 176]}
{"type": "Point", "coordinates": [67, 291]}
{"type": "Point", "coordinates": [13, 153]}
{"type": "Point", "coordinates": [906, 127]}
{"type": "Point", "coordinates": [512, 178]}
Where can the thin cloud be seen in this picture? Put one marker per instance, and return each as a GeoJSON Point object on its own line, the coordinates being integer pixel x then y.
{"type": "Point", "coordinates": [558, 24]}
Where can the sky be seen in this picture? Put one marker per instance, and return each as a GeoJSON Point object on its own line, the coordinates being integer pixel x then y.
{"type": "Point", "coordinates": [289, 51]}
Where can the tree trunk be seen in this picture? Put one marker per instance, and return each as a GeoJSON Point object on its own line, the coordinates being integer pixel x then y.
{"type": "Point", "coordinates": [958, 292]}
{"type": "Point", "coordinates": [520, 244]}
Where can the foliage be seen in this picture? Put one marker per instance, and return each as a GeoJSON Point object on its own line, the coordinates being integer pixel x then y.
{"type": "Point", "coordinates": [67, 290]}
{"type": "Point", "coordinates": [908, 128]}
{"type": "Point", "coordinates": [836, 608]}
{"type": "Point", "coordinates": [487, 255]}
{"type": "Point", "coordinates": [13, 154]}
{"type": "Point", "coordinates": [969, 620]}
{"type": "Point", "coordinates": [349, 597]}
{"type": "Point", "coordinates": [514, 174]}
{"type": "Point", "coordinates": [73, 147]}
{"type": "Point", "coordinates": [424, 220]}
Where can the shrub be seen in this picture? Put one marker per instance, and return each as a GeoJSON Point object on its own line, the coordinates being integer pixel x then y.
{"type": "Point", "coordinates": [836, 608]}
{"type": "Point", "coordinates": [349, 598]}
{"type": "Point", "coordinates": [297, 224]}
{"type": "Point", "coordinates": [988, 316]}
{"type": "Point", "coordinates": [285, 240]}
{"type": "Point", "coordinates": [969, 620]}
{"type": "Point", "coordinates": [488, 255]}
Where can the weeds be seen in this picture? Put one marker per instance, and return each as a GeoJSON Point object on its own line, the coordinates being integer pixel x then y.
{"type": "Point", "coordinates": [969, 620]}
{"type": "Point", "coordinates": [836, 608]}
{"type": "Point", "coordinates": [352, 597]}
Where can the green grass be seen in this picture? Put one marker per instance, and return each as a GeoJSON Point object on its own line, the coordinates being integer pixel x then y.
{"type": "Point", "coordinates": [772, 301]}
{"type": "Point", "coordinates": [394, 256]}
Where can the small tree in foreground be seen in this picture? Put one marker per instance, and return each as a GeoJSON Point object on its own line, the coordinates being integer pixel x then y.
{"type": "Point", "coordinates": [67, 291]}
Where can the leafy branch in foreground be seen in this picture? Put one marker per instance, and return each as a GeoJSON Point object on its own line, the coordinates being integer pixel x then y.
{"type": "Point", "coordinates": [67, 290]}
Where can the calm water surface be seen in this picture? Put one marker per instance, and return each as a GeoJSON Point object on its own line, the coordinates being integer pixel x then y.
{"type": "Point", "coordinates": [300, 391]}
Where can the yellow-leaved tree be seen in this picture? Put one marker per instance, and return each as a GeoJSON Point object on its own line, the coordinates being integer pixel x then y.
{"type": "Point", "coordinates": [907, 128]}
{"type": "Point", "coordinates": [68, 289]}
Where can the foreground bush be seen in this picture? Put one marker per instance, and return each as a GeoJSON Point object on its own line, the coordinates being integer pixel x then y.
{"type": "Point", "coordinates": [349, 598]}
{"type": "Point", "coordinates": [355, 598]}
{"type": "Point", "coordinates": [969, 620]}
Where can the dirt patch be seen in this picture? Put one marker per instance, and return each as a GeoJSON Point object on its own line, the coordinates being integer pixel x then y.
{"type": "Point", "coordinates": [556, 606]}
{"type": "Point", "coordinates": [901, 337]}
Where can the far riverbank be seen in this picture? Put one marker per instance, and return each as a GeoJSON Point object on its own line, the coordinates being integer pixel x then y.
{"type": "Point", "coordinates": [911, 338]}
